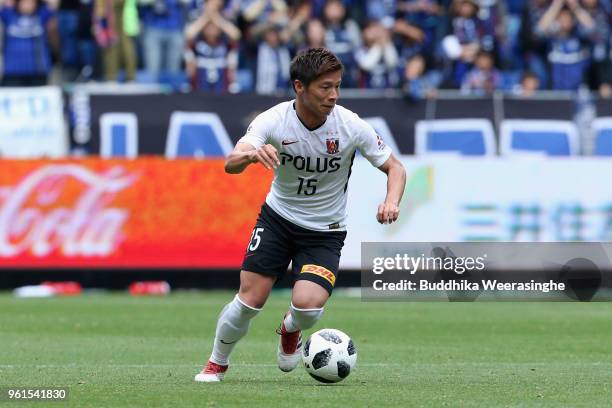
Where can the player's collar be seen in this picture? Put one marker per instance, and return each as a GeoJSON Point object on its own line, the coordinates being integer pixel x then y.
{"type": "Point", "coordinates": [302, 122]}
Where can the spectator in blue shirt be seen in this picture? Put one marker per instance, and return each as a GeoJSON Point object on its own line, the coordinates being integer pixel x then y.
{"type": "Point", "coordinates": [163, 40]}
{"type": "Point", "coordinates": [27, 28]}
{"type": "Point", "coordinates": [424, 15]}
{"type": "Point", "coordinates": [211, 60]}
{"type": "Point", "coordinates": [343, 37]}
{"type": "Point", "coordinates": [466, 25]}
{"type": "Point", "coordinates": [568, 56]}
{"type": "Point", "coordinates": [273, 60]}
{"type": "Point", "coordinates": [315, 35]}
{"type": "Point", "coordinates": [528, 86]}
{"type": "Point", "coordinates": [377, 59]}
{"type": "Point", "coordinates": [467, 28]}
{"type": "Point", "coordinates": [419, 83]}
{"type": "Point", "coordinates": [483, 79]}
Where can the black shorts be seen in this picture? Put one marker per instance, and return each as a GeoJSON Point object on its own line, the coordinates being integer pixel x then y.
{"type": "Point", "coordinates": [315, 255]}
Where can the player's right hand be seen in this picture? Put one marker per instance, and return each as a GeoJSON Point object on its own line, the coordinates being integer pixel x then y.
{"type": "Point", "coordinates": [266, 155]}
{"type": "Point", "coordinates": [387, 213]}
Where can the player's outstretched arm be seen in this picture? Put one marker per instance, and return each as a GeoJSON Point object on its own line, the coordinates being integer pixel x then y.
{"type": "Point", "coordinates": [245, 154]}
{"type": "Point", "coordinates": [388, 211]}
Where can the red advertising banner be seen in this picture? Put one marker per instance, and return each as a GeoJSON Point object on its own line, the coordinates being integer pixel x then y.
{"type": "Point", "coordinates": [149, 212]}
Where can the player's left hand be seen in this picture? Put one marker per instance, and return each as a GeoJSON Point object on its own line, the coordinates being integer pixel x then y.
{"type": "Point", "coordinates": [387, 213]}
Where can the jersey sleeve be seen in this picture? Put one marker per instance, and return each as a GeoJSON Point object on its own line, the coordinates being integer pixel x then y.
{"type": "Point", "coordinates": [370, 144]}
{"type": "Point", "coordinates": [259, 131]}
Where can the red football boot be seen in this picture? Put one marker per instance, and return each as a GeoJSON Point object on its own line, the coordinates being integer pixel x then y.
{"type": "Point", "coordinates": [213, 372]}
{"type": "Point", "coordinates": [289, 348]}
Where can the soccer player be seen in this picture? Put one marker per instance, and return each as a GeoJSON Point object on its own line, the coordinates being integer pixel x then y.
{"type": "Point", "coordinates": [310, 143]}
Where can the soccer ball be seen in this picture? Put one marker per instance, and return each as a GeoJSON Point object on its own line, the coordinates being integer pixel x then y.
{"type": "Point", "coordinates": [329, 355]}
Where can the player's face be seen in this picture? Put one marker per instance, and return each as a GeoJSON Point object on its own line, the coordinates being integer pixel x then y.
{"type": "Point", "coordinates": [321, 95]}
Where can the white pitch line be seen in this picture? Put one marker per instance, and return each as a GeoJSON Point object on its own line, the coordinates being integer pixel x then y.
{"type": "Point", "coordinates": [255, 365]}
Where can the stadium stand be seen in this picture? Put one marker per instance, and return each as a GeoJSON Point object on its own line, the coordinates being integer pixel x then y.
{"type": "Point", "coordinates": [223, 46]}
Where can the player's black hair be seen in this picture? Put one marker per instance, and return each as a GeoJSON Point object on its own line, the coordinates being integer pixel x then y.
{"type": "Point", "coordinates": [310, 64]}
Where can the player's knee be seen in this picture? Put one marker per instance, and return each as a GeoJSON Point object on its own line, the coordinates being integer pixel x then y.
{"type": "Point", "coordinates": [254, 289]}
{"type": "Point", "coordinates": [307, 302]}
{"type": "Point", "coordinates": [243, 308]}
{"type": "Point", "coordinates": [308, 295]}
{"type": "Point", "coordinates": [253, 297]}
{"type": "Point", "coordinates": [253, 301]}
{"type": "Point", "coordinates": [305, 318]}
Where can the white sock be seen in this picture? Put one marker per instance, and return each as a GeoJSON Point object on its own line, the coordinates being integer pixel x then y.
{"type": "Point", "coordinates": [301, 319]}
{"type": "Point", "coordinates": [233, 324]}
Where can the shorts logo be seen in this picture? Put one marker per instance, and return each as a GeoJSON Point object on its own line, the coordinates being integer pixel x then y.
{"type": "Point", "coordinates": [332, 145]}
{"type": "Point", "coordinates": [320, 271]}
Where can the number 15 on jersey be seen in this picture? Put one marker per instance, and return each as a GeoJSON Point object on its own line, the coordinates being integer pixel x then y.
{"type": "Point", "coordinates": [307, 187]}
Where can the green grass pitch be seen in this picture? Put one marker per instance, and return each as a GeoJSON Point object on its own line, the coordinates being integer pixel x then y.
{"type": "Point", "coordinates": [119, 351]}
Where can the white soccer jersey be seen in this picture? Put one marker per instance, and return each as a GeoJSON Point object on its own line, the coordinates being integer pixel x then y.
{"type": "Point", "coordinates": [309, 187]}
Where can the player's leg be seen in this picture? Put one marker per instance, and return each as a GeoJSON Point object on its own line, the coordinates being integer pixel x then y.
{"type": "Point", "coordinates": [235, 318]}
{"type": "Point", "coordinates": [267, 257]}
{"type": "Point", "coordinates": [307, 302]}
{"type": "Point", "coordinates": [234, 321]}
{"type": "Point", "coordinates": [316, 265]}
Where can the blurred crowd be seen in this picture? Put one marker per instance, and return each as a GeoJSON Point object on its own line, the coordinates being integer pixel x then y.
{"type": "Point", "coordinates": [477, 46]}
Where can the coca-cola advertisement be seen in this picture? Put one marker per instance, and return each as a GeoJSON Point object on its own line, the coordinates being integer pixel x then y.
{"type": "Point", "coordinates": [149, 212]}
